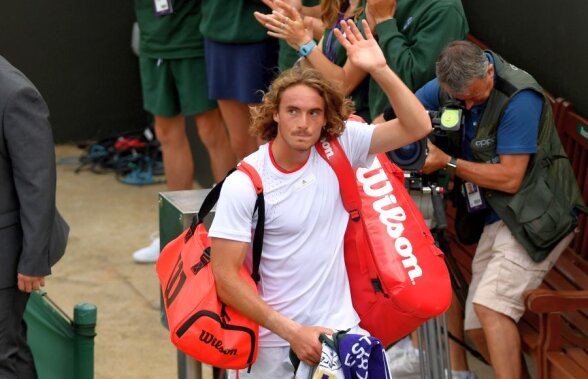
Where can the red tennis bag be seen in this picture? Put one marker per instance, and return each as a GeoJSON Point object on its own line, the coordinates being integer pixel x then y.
{"type": "Point", "coordinates": [397, 275]}
{"type": "Point", "coordinates": [200, 324]}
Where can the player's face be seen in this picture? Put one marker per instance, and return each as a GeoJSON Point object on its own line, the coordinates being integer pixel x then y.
{"type": "Point", "coordinates": [300, 117]}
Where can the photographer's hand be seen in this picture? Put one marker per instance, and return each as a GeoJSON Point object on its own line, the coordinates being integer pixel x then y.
{"type": "Point", "coordinates": [506, 175]}
{"type": "Point", "coordinates": [436, 159]}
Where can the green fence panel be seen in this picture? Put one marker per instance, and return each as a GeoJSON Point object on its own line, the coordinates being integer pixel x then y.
{"type": "Point", "coordinates": [62, 348]}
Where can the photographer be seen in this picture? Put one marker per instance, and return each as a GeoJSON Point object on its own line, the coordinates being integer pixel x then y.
{"type": "Point", "coordinates": [515, 186]}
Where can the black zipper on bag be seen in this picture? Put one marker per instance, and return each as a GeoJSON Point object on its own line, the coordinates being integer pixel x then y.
{"type": "Point", "coordinates": [190, 321]}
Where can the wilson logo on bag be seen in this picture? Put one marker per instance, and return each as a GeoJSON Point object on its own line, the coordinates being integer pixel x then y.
{"type": "Point", "coordinates": [200, 324]}
{"type": "Point", "coordinates": [392, 217]}
{"type": "Point", "coordinates": [176, 281]}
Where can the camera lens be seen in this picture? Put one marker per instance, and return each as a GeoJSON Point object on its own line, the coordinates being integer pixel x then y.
{"type": "Point", "coordinates": [409, 157]}
{"type": "Point", "coordinates": [407, 152]}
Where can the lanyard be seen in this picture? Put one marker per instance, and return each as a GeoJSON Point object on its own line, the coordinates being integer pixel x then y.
{"type": "Point", "coordinates": [330, 52]}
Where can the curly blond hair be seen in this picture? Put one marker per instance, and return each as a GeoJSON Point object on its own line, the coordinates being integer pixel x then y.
{"type": "Point", "coordinates": [337, 107]}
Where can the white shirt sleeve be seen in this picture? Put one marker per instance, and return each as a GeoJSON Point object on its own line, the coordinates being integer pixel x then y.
{"type": "Point", "coordinates": [356, 141]}
{"type": "Point", "coordinates": [234, 210]}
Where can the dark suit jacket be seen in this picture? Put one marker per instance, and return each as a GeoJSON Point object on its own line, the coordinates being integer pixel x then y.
{"type": "Point", "coordinates": [33, 234]}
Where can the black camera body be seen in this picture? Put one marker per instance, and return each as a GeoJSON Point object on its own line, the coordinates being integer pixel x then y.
{"type": "Point", "coordinates": [448, 119]}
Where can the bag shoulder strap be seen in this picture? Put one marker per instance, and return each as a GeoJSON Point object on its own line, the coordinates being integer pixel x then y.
{"type": "Point", "coordinates": [332, 152]}
{"type": "Point", "coordinates": [212, 198]}
{"type": "Point", "coordinates": [260, 226]}
{"type": "Point", "coordinates": [253, 175]}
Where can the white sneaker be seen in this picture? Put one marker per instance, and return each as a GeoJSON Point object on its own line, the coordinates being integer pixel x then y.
{"type": "Point", "coordinates": [463, 375]}
{"type": "Point", "coordinates": [405, 364]}
{"type": "Point", "coordinates": [148, 254]}
{"type": "Point", "coordinates": [399, 348]}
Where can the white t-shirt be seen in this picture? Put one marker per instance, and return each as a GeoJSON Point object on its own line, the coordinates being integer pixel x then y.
{"type": "Point", "coordinates": [302, 267]}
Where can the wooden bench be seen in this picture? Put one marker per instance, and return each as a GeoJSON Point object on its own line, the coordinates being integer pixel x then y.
{"type": "Point", "coordinates": [573, 132]}
{"type": "Point", "coordinates": [555, 325]}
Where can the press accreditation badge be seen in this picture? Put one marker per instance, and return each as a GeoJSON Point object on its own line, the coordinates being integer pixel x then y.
{"type": "Point", "coordinates": [473, 195]}
{"type": "Point", "coordinates": [162, 7]}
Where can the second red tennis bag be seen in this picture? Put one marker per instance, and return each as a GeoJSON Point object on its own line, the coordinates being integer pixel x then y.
{"type": "Point", "coordinates": [201, 325]}
{"type": "Point", "coordinates": [397, 275]}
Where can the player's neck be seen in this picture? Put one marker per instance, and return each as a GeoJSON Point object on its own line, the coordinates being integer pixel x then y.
{"type": "Point", "coordinates": [286, 157]}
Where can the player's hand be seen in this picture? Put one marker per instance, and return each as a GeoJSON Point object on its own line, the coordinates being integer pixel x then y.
{"type": "Point", "coordinates": [363, 52]}
{"type": "Point", "coordinates": [306, 344]}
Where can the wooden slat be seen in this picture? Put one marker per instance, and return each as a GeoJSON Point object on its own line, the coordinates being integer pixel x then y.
{"type": "Point", "coordinates": [568, 121]}
{"type": "Point", "coordinates": [576, 146]}
{"type": "Point", "coordinates": [563, 367]}
{"type": "Point", "coordinates": [579, 356]}
{"type": "Point", "coordinates": [556, 280]}
{"type": "Point", "coordinates": [462, 255]}
{"type": "Point", "coordinates": [531, 319]}
{"type": "Point", "coordinates": [569, 273]}
{"type": "Point", "coordinates": [573, 336]}
{"type": "Point", "coordinates": [580, 243]}
{"type": "Point", "coordinates": [529, 336]}
{"type": "Point", "coordinates": [573, 273]}
{"type": "Point", "coordinates": [580, 322]}
{"type": "Point", "coordinates": [463, 260]}
{"type": "Point", "coordinates": [555, 104]}
{"type": "Point", "coordinates": [481, 44]}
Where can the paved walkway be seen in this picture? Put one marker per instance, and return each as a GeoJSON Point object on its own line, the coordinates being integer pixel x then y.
{"type": "Point", "coordinates": [109, 220]}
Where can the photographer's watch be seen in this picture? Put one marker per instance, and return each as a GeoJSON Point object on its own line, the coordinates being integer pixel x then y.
{"type": "Point", "coordinates": [451, 166]}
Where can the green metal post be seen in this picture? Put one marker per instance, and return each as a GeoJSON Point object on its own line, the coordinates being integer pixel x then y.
{"type": "Point", "coordinates": [84, 325]}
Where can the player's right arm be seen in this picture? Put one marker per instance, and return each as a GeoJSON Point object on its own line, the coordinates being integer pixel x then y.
{"type": "Point", "coordinates": [230, 235]}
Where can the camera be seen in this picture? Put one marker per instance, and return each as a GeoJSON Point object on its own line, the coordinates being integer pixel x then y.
{"type": "Point", "coordinates": [410, 157]}
{"type": "Point", "coordinates": [449, 118]}
{"type": "Point", "coordinates": [425, 189]}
